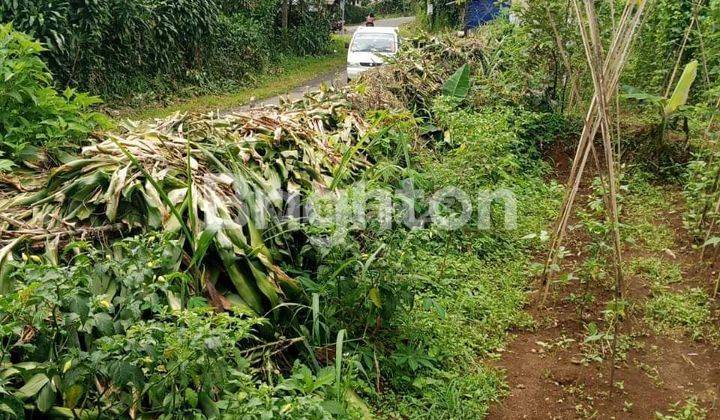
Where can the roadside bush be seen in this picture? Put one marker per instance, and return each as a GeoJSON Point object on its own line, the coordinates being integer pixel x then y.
{"type": "Point", "coordinates": [308, 33]}
{"type": "Point", "coordinates": [35, 117]}
{"type": "Point", "coordinates": [386, 7]}
{"type": "Point", "coordinates": [355, 14]}
{"type": "Point", "coordinates": [99, 45]}
{"type": "Point", "coordinates": [111, 338]}
{"type": "Point", "coordinates": [241, 48]}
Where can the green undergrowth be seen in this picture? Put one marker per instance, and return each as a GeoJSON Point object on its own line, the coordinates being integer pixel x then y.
{"type": "Point", "coordinates": [655, 271]}
{"type": "Point", "coordinates": [690, 409]}
{"type": "Point", "coordinates": [440, 303]}
{"type": "Point", "coordinates": [644, 200]}
{"type": "Point", "coordinates": [126, 314]}
{"type": "Point", "coordinates": [474, 283]}
{"type": "Point", "coordinates": [406, 319]}
{"type": "Point", "coordinates": [672, 308]}
{"type": "Point", "coordinates": [687, 312]}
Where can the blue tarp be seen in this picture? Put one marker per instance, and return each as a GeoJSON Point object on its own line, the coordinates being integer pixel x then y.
{"type": "Point", "coordinates": [481, 11]}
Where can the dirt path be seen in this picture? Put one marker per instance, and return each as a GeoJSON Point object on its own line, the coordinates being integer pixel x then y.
{"type": "Point", "coordinates": [548, 370]}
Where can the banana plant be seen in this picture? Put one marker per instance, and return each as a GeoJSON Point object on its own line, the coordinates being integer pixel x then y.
{"type": "Point", "coordinates": [668, 108]}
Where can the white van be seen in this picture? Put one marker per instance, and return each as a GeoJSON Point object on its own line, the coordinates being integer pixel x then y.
{"type": "Point", "coordinates": [369, 48]}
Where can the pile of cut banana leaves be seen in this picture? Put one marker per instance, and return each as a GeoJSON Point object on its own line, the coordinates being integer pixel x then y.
{"type": "Point", "coordinates": [215, 180]}
{"type": "Point", "coordinates": [418, 72]}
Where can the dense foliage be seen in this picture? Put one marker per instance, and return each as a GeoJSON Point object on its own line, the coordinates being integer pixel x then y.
{"type": "Point", "coordinates": [130, 288]}
{"type": "Point", "coordinates": [35, 117]}
{"type": "Point", "coordinates": [356, 14]}
{"type": "Point", "coordinates": [122, 47]}
{"type": "Point", "coordinates": [89, 329]}
{"type": "Point", "coordinates": [125, 336]}
{"type": "Point", "coordinates": [670, 25]}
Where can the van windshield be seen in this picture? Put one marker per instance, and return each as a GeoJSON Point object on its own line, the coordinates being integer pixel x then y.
{"type": "Point", "coordinates": [375, 43]}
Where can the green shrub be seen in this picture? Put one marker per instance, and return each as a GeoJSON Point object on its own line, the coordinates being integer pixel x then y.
{"type": "Point", "coordinates": [356, 14]}
{"type": "Point", "coordinates": [386, 7]}
{"type": "Point", "coordinates": [35, 116]}
{"type": "Point", "coordinates": [118, 330]}
{"type": "Point", "coordinates": [240, 49]}
{"type": "Point", "coordinates": [308, 33]}
{"type": "Point", "coordinates": [93, 44]}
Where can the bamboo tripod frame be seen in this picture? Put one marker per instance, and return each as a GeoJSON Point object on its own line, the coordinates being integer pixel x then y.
{"type": "Point", "coordinates": [606, 69]}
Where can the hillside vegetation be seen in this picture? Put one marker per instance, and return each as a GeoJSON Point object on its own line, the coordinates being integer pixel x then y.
{"type": "Point", "coordinates": [369, 251]}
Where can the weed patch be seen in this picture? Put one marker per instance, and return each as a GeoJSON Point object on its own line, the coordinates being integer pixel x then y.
{"type": "Point", "coordinates": [684, 312]}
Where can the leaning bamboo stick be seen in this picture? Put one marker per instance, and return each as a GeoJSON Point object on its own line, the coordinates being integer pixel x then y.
{"type": "Point", "coordinates": [618, 51]}
{"type": "Point", "coordinates": [593, 52]}
{"type": "Point", "coordinates": [574, 87]}
{"type": "Point", "coordinates": [703, 54]}
{"type": "Point", "coordinates": [594, 56]}
{"type": "Point", "coordinates": [686, 37]}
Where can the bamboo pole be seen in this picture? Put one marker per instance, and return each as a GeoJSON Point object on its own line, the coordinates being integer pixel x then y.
{"type": "Point", "coordinates": [703, 54]}
{"type": "Point", "coordinates": [574, 88]}
{"type": "Point", "coordinates": [686, 37]}
{"type": "Point", "coordinates": [716, 182]}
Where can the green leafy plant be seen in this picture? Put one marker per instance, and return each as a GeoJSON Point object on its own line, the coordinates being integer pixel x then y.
{"type": "Point", "coordinates": [667, 108]}
{"type": "Point", "coordinates": [685, 312]}
{"type": "Point", "coordinates": [36, 118]}
{"type": "Point", "coordinates": [458, 85]}
{"type": "Point", "coordinates": [142, 50]}
{"type": "Point", "coordinates": [690, 410]}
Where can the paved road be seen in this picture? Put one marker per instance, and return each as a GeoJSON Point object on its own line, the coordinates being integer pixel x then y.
{"type": "Point", "coordinates": [385, 23]}
{"type": "Point", "coordinates": [335, 77]}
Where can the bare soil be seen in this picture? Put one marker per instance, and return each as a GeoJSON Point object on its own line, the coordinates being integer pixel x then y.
{"type": "Point", "coordinates": [545, 370]}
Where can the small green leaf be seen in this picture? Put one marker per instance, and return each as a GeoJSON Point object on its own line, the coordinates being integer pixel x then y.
{"type": "Point", "coordinates": [67, 366]}
{"type": "Point", "coordinates": [104, 323]}
{"type": "Point", "coordinates": [33, 386]}
{"type": "Point", "coordinates": [208, 406]}
{"type": "Point", "coordinates": [338, 359]}
{"type": "Point", "coordinates": [73, 394]}
{"type": "Point", "coordinates": [191, 397]}
{"type": "Point", "coordinates": [203, 243]}
{"type": "Point", "coordinates": [46, 399]}
{"type": "Point", "coordinates": [374, 296]}
{"type": "Point", "coordinates": [712, 241]}
{"type": "Point", "coordinates": [458, 85]}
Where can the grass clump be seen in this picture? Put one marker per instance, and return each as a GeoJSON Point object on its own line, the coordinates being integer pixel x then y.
{"type": "Point", "coordinates": [642, 202]}
{"type": "Point", "coordinates": [658, 272]}
{"type": "Point", "coordinates": [468, 286]}
{"type": "Point", "coordinates": [685, 312]}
